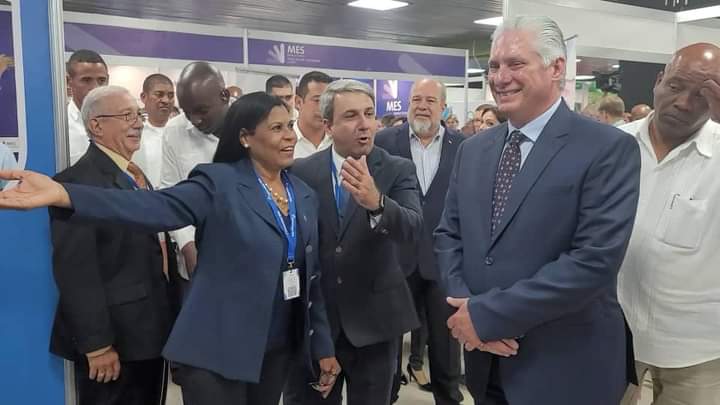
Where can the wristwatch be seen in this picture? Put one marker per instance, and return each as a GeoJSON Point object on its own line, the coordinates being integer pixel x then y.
{"type": "Point", "coordinates": [380, 208]}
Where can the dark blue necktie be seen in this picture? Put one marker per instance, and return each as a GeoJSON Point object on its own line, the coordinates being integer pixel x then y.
{"type": "Point", "coordinates": [506, 172]}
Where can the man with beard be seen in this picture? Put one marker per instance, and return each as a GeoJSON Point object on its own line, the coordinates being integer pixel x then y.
{"type": "Point", "coordinates": [432, 147]}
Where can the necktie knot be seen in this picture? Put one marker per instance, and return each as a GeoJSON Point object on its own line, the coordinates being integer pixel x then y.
{"type": "Point", "coordinates": [137, 175]}
{"type": "Point", "coordinates": [516, 138]}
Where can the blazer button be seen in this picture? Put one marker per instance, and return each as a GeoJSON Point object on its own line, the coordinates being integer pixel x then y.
{"type": "Point", "coordinates": [312, 332]}
{"type": "Point", "coordinates": [308, 249]}
{"type": "Point", "coordinates": [339, 280]}
{"type": "Point", "coordinates": [338, 249]}
{"type": "Point", "coordinates": [489, 261]}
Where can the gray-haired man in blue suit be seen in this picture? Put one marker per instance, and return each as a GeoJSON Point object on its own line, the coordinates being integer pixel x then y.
{"type": "Point", "coordinates": [538, 215]}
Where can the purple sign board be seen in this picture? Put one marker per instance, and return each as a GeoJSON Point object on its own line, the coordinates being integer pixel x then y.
{"type": "Point", "coordinates": [393, 97]}
{"type": "Point", "coordinates": [277, 53]}
{"type": "Point", "coordinates": [109, 40]}
{"type": "Point", "coordinates": [8, 92]}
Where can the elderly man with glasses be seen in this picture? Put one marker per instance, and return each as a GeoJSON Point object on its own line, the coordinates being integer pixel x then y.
{"type": "Point", "coordinates": [114, 313]}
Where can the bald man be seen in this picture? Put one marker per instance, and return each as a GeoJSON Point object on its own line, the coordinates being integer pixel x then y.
{"type": "Point", "coordinates": [639, 112]}
{"type": "Point", "coordinates": [192, 138]}
{"type": "Point", "coordinates": [432, 147]}
{"type": "Point", "coordinates": [668, 285]}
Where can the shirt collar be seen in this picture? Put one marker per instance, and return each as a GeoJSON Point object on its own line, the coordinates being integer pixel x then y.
{"type": "Point", "coordinates": [192, 129]}
{"type": "Point", "coordinates": [120, 161]}
{"type": "Point", "coordinates": [73, 111]}
{"type": "Point", "coordinates": [437, 138]}
{"type": "Point", "coordinates": [534, 128]}
{"type": "Point", "coordinates": [702, 140]}
{"type": "Point", "coordinates": [301, 137]}
{"type": "Point", "coordinates": [337, 161]}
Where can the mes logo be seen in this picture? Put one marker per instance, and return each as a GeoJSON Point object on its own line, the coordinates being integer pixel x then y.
{"type": "Point", "coordinates": [393, 106]}
{"type": "Point", "coordinates": [296, 50]}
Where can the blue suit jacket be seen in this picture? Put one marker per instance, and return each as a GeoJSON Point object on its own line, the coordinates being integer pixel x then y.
{"type": "Point", "coordinates": [548, 275]}
{"type": "Point", "coordinates": [224, 322]}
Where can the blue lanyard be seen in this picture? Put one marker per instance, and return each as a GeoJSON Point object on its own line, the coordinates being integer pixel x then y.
{"type": "Point", "coordinates": [291, 235]}
{"type": "Point", "coordinates": [338, 188]}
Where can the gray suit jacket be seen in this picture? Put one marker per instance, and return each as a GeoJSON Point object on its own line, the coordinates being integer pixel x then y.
{"type": "Point", "coordinates": [364, 287]}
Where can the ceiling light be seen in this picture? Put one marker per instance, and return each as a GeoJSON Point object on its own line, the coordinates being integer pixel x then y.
{"type": "Point", "coordinates": [697, 14]}
{"type": "Point", "coordinates": [578, 60]}
{"type": "Point", "coordinates": [381, 5]}
{"type": "Point", "coordinates": [490, 21]}
{"type": "Point", "coordinates": [475, 70]}
{"type": "Point", "coordinates": [584, 77]}
{"type": "Point", "coordinates": [615, 66]}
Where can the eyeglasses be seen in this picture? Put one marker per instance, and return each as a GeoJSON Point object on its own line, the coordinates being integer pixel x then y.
{"type": "Point", "coordinates": [129, 117]}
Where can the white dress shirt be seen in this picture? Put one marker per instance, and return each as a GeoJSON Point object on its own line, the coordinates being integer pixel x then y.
{"type": "Point", "coordinates": [669, 283]}
{"type": "Point", "coordinates": [78, 139]}
{"type": "Point", "coordinates": [305, 148]}
{"type": "Point", "coordinates": [532, 130]}
{"type": "Point", "coordinates": [149, 156]}
{"type": "Point", "coordinates": [183, 148]}
{"type": "Point", "coordinates": [426, 157]}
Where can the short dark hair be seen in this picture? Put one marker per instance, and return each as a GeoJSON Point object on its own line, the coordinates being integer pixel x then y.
{"type": "Point", "coordinates": [245, 114]}
{"type": "Point", "coordinates": [276, 81]}
{"type": "Point", "coordinates": [83, 56]}
{"type": "Point", "coordinates": [314, 76]}
{"type": "Point", "coordinates": [153, 79]}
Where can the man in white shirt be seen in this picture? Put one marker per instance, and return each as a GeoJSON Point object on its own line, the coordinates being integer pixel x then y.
{"type": "Point", "coordinates": [86, 70]}
{"type": "Point", "coordinates": [669, 284]}
{"type": "Point", "coordinates": [192, 139]}
{"type": "Point", "coordinates": [309, 127]}
{"type": "Point", "coordinates": [281, 87]}
{"type": "Point", "coordinates": [158, 96]}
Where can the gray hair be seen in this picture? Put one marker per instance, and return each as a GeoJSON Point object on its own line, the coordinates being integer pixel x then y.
{"type": "Point", "coordinates": [327, 99]}
{"type": "Point", "coordinates": [93, 101]}
{"type": "Point", "coordinates": [443, 88]}
{"type": "Point", "coordinates": [549, 40]}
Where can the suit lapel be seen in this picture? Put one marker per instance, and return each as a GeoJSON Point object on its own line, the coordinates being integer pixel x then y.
{"type": "Point", "coordinates": [549, 143]}
{"type": "Point", "coordinates": [445, 165]}
{"type": "Point", "coordinates": [403, 142]}
{"type": "Point", "coordinates": [485, 170]}
{"type": "Point", "coordinates": [302, 197]}
{"type": "Point", "coordinates": [106, 165]}
{"type": "Point", "coordinates": [325, 190]}
{"type": "Point", "coordinates": [252, 193]}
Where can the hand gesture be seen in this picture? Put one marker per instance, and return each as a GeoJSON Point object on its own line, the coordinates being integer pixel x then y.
{"type": "Point", "coordinates": [711, 92]}
{"type": "Point", "coordinates": [463, 330]}
{"type": "Point", "coordinates": [360, 184]}
{"type": "Point", "coordinates": [33, 190]}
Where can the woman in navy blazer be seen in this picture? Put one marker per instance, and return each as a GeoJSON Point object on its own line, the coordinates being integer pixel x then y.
{"type": "Point", "coordinates": [240, 325]}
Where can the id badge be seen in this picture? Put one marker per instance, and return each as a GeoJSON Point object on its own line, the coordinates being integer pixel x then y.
{"type": "Point", "coordinates": [291, 284]}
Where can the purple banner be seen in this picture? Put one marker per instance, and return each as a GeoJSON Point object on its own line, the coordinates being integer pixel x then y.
{"type": "Point", "coordinates": [277, 53]}
{"type": "Point", "coordinates": [108, 40]}
{"type": "Point", "coordinates": [393, 97]}
{"type": "Point", "coordinates": [8, 93]}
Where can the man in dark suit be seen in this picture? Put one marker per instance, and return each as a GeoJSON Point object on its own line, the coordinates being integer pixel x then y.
{"type": "Point", "coordinates": [432, 147]}
{"type": "Point", "coordinates": [368, 203]}
{"type": "Point", "coordinates": [538, 216]}
{"type": "Point", "coordinates": [114, 312]}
